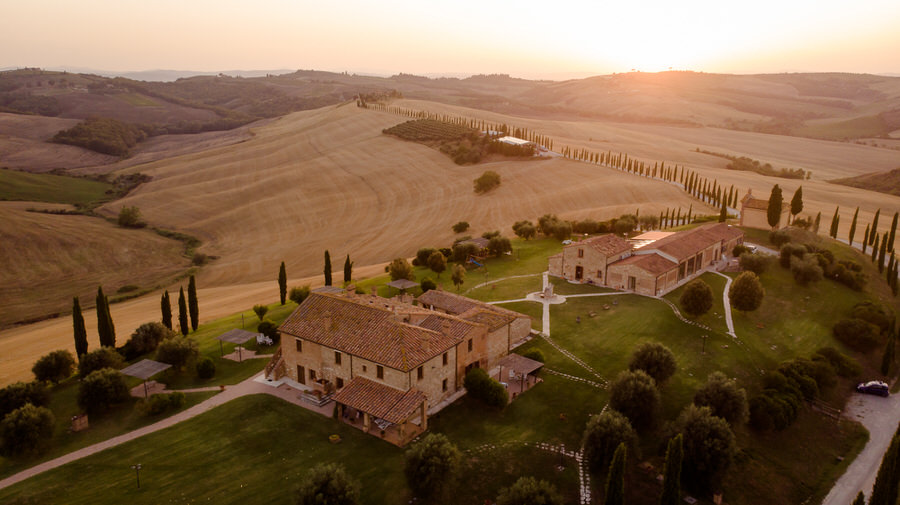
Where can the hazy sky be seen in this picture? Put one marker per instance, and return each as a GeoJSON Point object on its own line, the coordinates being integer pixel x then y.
{"type": "Point", "coordinates": [551, 39]}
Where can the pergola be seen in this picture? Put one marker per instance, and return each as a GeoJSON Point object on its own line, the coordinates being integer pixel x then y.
{"type": "Point", "coordinates": [385, 406]}
{"type": "Point", "coordinates": [235, 336]}
{"type": "Point", "coordinates": [145, 369]}
{"type": "Point", "coordinates": [519, 367]}
{"type": "Point", "coordinates": [402, 284]}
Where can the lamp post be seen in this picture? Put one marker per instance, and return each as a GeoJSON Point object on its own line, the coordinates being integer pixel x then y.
{"type": "Point", "coordinates": [704, 344]}
{"type": "Point", "coordinates": [137, 473]}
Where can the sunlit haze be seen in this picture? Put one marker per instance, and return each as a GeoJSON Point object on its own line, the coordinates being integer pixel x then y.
{"type": "Point", "coordinates": [525, 38]}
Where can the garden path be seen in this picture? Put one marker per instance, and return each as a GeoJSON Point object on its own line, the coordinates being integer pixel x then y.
{"type": "Point", "coordinates": [727, 302]}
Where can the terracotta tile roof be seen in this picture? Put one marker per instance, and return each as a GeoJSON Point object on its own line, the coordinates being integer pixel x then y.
{"type": "Point", "coordinates": [652, 263]}
{"type": "Point", "coordinates": [379, 400]}
{"type": "Point", "coordinates": [608, 245]}
{"type": "Point", "coordinates": [756, 203]}
{"type": "Point", "coordinates": [363, 330]}
{"type": "Point", "coordinates": [491, 319]}
{"type": "Point", "coordinates": [520, 363]}
{"type": "Point", "coordinates": [688, 243]}
{"type": "Point", "coordinates": [459, 328]}
{"type": "Point", "coordinates": [458, 304]}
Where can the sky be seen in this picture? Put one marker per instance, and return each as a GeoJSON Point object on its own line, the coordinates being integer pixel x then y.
{"type": "Point", "coordinates": [548, 39]}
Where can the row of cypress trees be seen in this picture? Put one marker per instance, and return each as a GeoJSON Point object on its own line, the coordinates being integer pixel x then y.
{"type": "Point", "coordinates": [671, 493]}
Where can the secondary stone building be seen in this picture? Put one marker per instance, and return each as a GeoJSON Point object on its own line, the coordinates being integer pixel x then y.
{"type": "Point", "coordinates": [755, 213]}
{"type": "Point", "coordinates": [655, 267]}
{"type": "Point", "coordinates": [389, 362]}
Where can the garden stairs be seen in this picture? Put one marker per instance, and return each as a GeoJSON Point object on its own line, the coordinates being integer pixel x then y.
{"type": "Point", "coordinates": [275, 367]}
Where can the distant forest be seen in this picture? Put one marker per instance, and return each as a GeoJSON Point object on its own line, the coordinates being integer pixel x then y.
{"type": "Point", "coordinates": [883, 182]}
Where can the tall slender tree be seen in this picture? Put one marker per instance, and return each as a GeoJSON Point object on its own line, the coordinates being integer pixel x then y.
{"type": "Point", "coordinates": [282, 283]}
{"type": "Point", "coordinates": [79, 330]}
{"type": "Point", "coordinates": [348, 269]}
{"type": "Point", "coordinates": [853, 226]}
{"type": "Point", "coordinates": [723, 213]}
{"type": "Point", "coordinates": [182, 313]}
{"type": "Point", "coordinates": [615, 480]}
{"type": "Point", "coordinates": [865, 241]}
{"type": "Point", "coordinates": [890, 245]}
{"type": "Point", "coordinates": [835, 221]}
{"type": "Point", "coordinates": [165, 306]}
{"type": "Point", "coordinates": [193, 305]}
{"type": "Point", "coordinates": [817, 223]}
{"type": "Point", "coordinates": [875, 249]}
{"type": "Point", "coordinates": [105, 328]}
{"type": "Point", "coordinates": [860, 499]}
{"type": "Point", "coordinates": [773, 212]}
{"type": "Point", "coordinates": [874, 227]}
{"type": "Point", "coordinates": [671, 493]}
{"type": "Point", "coordinates": [797, 203]}
{"type": "Point", "coordinates": [887, 481]}
{"type": "Point", "coordinates": [327, 269]}
{"type": "Point", "coordinates": [882, 252]}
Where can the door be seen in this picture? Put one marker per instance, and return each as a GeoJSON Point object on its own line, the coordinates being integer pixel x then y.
{"type": "Point", "coordinates": [579, 273]}
{"type": "Point", "coordinates": [301, 375]}
{"type": "Point", "coordinates": [632, 282]}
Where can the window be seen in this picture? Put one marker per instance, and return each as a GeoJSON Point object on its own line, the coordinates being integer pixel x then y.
{"type": "Point", "coordinates": [340, 383]}
{"type": "Point", "coordinates": [379, 372]}
{"type": "Point", "coordinates": [337, 357]}
{"type": "Point", "coordinates": [600, 274]}
{"type": "Point", "coordinates": [299, 345]}
{"type": "Point", "coordinates": [444, 385]}
{"type": "Point", "coordinates": [445, 359]}
{"type": "Point", "coordinates": [581, 253]}
{"type": "Point", "coordinates": [312, 375]}
{"type": "Point", "coordinates": [420, 373]}
{"type": "Point", "coordinates": [365, 368]}
{"type": "Point", "coordinates": [470, 345]}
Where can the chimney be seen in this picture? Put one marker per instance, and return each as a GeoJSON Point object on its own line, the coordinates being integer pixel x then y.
{"type": "Point", "coordinates": [350, 290]}
{"type": "Point", "coordinates": [445, 327]}
{"type": "Point", "coordinates": [374, 290]}
{"type": "Point", "coordinates": [326, 318]}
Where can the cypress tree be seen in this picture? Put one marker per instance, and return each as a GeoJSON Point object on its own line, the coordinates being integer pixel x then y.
{"type": "Point", "coordinates": [665, 222]}
{"type": "Point", "coordinates": [327, 270]}
{"type": "Point", "coordinates": [834, 223]}
{"type": "Point", "coordinates": [882, 252]}
{"type": "Point", "coordinates": [885, 490]}
{"type": "Point", "coordinates": [817, 222]}
{"type": "Point", "coordinates": [678, 217]}
{"type": "Point", "coordinates": [690, 211]}
{"type": "Point", "coordinates": [615, 481]}
{"type": "Point", "coordinates": [874, 227]}
{"type": "Point", "coordinates": [853, 226]}
{"type": "Point", "coordinates": [723, 214]}
{"type": "Point", "coordinates": [182, 313]}
{"type": "Point", "coordinates": [671, 493]}
{"type": "Point", "coordinates": [860, 499]}
{"type": "Point", "coordinates": [282, 283]}
{"type": "Point", "coordinates": [105, 328]}
{"type": "Point", "coordinates": [166, 308]}
{"type": "Point", "coordinates": [348, 269]}
{"type": "Point", "coordinates": [875, 249]}
{"type": "Point", "coordinates": [890, 245]}
{"type": "Point", "coordinates": [79, 330]}
{"type": "Point", "coordinates": [193, 306]}
{"type": "Point", "coordinates": [865, 242]}
{"type": "Point", "coordinates": [797, 203]}
{"type": "Point", "coordinates": [773, 212]}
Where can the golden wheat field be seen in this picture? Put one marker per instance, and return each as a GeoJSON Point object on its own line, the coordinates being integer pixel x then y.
{"type": "Point", "coordinates": [329, 179]}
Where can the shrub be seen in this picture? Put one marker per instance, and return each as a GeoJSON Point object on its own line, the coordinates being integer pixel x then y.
{"type": "Point", "coordinates": [436, 262]}
{"type": "Point", "coordinates": [401, 269]}
{"type": "Point", "coordinates": [461, 252]}
{"type": "Point", "coordinates": [427, 285]}
{"type": "Point", "coordinates": [857, 334]}
{"type": "Point", "coordinates": [18, 394]}
{"type": "Point", "coordinates": [746, 292]}
{"type": "Point", "coordinates": [738, 250]}
{"type": "Point", "coordinates": [422, 256]}
{"type": "Point", "coordinates": [159, 403]}
{"type": "Point", "coordinates": [199, 259]}
{"type": "Point", "coordinates": [178, 351]}
{"type": "Point", "coordinates": [54, 367]}
{"type": "Point", "coordinates": [98, 359]}
{"type": "Point", "coordinates": [488, 181]}
{"type": "Point", "coordinates": [499, 245]}
{"type": "Point", "coordinates": [779, 238]}
{"type": "Point", "coordinates": [788, 251]}
{"type": "Point", "coordinates": [625, 224]}
{"type": "Point", "coordinates": [772, 409]}
{"type": "Point", "coordinates": [298, 294]}
{"type": "Point", "coordinates": [535, 354]}
{"type": "Point", "coordinates": [460, 227]}
{"type": "Point", "coordinates": [485, 389]}
{"type": "Point", "coordinates": [102, 389]}
{"type": "Point", "coordinates": [754, 262]}
{"type": "Point", "coordinates": [269, 329]}
{"type": "Point", "coordinates": [603, 435]}
{"type": "Point", "coordinates": [260, 311]}
{"type": "Point", "coordinates": [130, 217]}
{"type": "Point", "coordinates": [146, 337]}
{"type": "Point", "coordinates": [874, 313]}
{"type": "Point", "coordinates": [26, 430]}
{"type": "Point", "coordinates": [655, 359]}
{"type": "Point", "coordinates": [431, 467]}
{"type": "Point", "coordinates": [724, 397]}
{"type": "Point", "coordinates": [327, 484]}
{"type": "Point", "coordinates": [529, 491]}
{"type": "Point", "coordinates": [806, 270]}
{"type": "Point", "coordinates": [634, 394]}
{"type": "Point", "coordinates": [843, 365]}
{"type": "Point", "coordinates": [524, 229]}
{"type": "Point", "coordinates": [697, 298]}
{"type": "Point", "coordinates": [206, 368]}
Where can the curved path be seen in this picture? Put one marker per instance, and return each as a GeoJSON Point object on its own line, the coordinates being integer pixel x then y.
{"type": "Point", "coordinates": [727, 301]}
{"type": "Point", "coordinates": [247, 387]}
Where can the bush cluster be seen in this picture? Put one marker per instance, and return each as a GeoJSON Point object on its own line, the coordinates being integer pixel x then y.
{"type": "Point", "coordinates": [159, 403]}
{"type": "Point", "coordinates": [18, 394]}
{"type": "Point", "coordinates": [54, 367]}
{"type": "Point", "coordinates": [785, 389]}
{"type": "Point", "coordinates": [101, 390]}
{"type": "Point", "coordinates": [485, 389]}
{"type": "Point", "coordinates": [487, 181]}
{"type": "Point", "coordinates": [206, 368]}
{"type": "Point", "coordinates": [98, 359]}
{"type": "Point", "coordinates": [103, 135]}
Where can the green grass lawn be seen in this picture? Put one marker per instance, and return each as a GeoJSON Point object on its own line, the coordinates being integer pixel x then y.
{"type": "Point", "coordinates": [137, 100]}
{"type": "Point", "coordinates": [715, 318]}
{"type": "Point", "coordinates": [23, 186]}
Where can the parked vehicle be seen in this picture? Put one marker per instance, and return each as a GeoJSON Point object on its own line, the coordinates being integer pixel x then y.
{"type": "Point", "coordinates": [873, 388]}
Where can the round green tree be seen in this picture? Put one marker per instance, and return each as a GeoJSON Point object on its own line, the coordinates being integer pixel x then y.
{"type": "Point", "coordinates": [529, 491]}
{"type": "Point", "coordinates": [603, 434]}
{"type": "Point", "coordinates": [746, 292]}
{"type": "Point", "coordinates": [432, 466]}
{"type": "Point", "coordinates": [26, 430]}
{"type": "Point", "coordinates": [655, 359]}
{"type": "Point", "coordinates": [697, 298]}
{"type": "Point", "coordinates": [327, 484]}
{"type": "Point", "coordinates": [634, 394]}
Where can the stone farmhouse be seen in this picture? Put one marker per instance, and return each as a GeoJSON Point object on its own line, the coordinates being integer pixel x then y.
{"type": "Point", "coordinates": [388, 362]}
{"type": "Point", "coordinates": [754, 213]}
{"type": "Point", "coordinates": [651, 264]}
